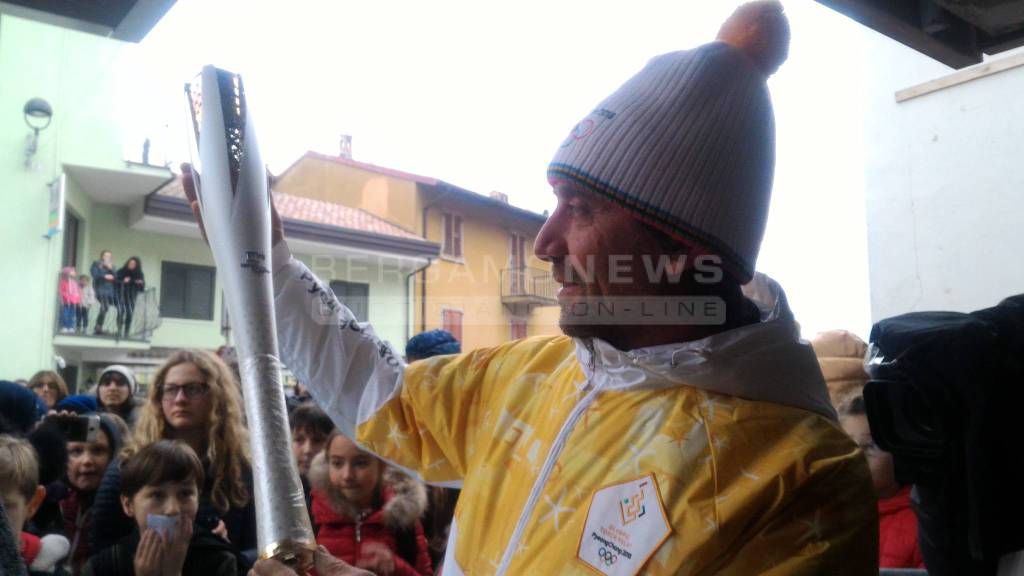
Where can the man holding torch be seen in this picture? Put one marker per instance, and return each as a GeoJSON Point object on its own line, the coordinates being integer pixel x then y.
{"type": "Point", "coordinates": [676, 427]}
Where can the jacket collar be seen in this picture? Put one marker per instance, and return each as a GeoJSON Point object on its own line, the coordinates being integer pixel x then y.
{"type": "Point", "coordinates": [766, 361]}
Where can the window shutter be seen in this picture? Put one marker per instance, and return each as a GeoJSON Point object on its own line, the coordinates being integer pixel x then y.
{"type": "Point", "coordinates": [448, 241]}
{"type": "Point", "coordinates": [457, 234]}
{"type": "Point", "coordinates": [451, 321]}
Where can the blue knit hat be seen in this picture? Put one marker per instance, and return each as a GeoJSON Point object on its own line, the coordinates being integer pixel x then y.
{"type": "Point", "coordinates": [432, 343]}
{"type": "Point", "coordinates": [20, 408]}
{"type": "Point", "coordinates": [78, 403]}
{"type": "Point", "coordinates": [688, 143]}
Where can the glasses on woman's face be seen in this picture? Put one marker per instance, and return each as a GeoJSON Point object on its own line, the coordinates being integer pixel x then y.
{"type": "Point", "coordinates": [190, 390]}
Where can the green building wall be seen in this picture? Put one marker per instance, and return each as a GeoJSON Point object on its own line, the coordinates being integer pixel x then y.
{"type": "Point", "coordinates": [76, 73]}
{"type": "Point", "coordinates": [73, 72]}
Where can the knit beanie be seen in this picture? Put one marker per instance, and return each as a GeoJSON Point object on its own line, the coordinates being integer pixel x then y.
{"type": "Point", "coordinates": [77, 403]}
{"type": "Point", "coordinates": [20, 409]}
{"type": "Point", "coordinates": [841, 357]}
{"type": "Point", "coordinates": [123, 371]}
{"type": "Point", "coordinates": [432, 343]}
{"type": "Point", "coordinates": [688, 143]}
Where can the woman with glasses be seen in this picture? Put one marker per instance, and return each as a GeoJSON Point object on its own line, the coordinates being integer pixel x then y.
{"type": "Point", "coordinates": [49, 386]}
{"type": "Point", "coordinates": [193, 398]}
{"type": "Point", "coordinates": [115, 393]}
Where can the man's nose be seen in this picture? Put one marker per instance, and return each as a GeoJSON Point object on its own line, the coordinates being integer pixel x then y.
{"type": "Point", "coordinates": [550, 242]}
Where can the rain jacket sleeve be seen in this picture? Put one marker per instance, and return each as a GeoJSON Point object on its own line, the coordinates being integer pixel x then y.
{"type": "Point", "coordinates": [365, 385]}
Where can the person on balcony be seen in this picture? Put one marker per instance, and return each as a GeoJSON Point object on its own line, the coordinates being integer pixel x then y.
{"type": "Point", "coordinates": [104, 280]}
{"type": "Point", "coordinates": [88, 303]}
{"type": "Point", "coordinates": [130, 281]}
{"type": "Point", "coordinates": [70, 298]}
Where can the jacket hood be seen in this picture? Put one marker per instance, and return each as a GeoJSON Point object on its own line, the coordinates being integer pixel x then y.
{"type": "Point", "coordinates": [766, 361]}
{"type": "Point", "coordinates": [405, 498]}
{"type": "Point", "coordinates": [841, 356]}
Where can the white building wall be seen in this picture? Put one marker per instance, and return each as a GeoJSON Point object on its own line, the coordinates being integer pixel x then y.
{"type": "Point", "coordinates": [944, 182]}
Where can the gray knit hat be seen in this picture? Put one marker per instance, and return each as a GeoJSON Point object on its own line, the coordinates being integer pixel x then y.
{"type": "Point", "coordinates": [688, 143]}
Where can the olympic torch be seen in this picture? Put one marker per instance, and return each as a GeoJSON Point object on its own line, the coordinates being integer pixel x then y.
{"type": "Point", "coordinates": [234, 197]}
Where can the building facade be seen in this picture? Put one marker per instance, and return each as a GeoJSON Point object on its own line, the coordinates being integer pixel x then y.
{"type": "Point", "coordinates": [943, 182]}
{"type": "Point", "coordinates": [69, 194]}
{"type": "Point", "coordinates": [486, 286]}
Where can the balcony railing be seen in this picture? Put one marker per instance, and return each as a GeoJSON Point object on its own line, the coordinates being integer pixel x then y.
{"type": "Point", "coordinates": [121, 319]}
{"type": "Point", "coordinates": [530, 286]}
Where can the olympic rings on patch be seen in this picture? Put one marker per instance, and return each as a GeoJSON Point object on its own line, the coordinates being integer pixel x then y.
{"type": "Point", "coordinates": [608, 556]}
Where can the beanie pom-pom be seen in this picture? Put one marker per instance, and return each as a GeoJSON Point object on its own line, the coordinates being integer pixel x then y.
{"type": "Point", "coordinates": [760, 30]}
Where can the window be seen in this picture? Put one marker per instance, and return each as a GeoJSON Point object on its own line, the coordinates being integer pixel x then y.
{"type": "Point", "coordinates": [186, 291]}
{"type": "Point", "coordinates": [517, 262]}
{"type": "Point", "coordinates": [451, 320]}
{"type": "Point", "coordinates": [70, 254]}
{"type": "Point", "coordinates": [518, 329]}
{"type": "Point", "coordinates": [355, 297]}
{"type": "Point", "coordinates": [452, 243]}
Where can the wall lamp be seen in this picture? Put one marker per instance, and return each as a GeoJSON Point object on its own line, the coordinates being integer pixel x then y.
{"type": "Point", "coordinates": [38, 114]}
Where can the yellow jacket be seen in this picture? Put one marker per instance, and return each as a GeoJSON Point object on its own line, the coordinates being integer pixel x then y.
{"type": "Point", "coordinates": [719, 456]}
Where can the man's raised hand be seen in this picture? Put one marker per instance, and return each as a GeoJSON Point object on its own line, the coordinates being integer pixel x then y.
{"type": "Point", "coordinates": [276, 228]}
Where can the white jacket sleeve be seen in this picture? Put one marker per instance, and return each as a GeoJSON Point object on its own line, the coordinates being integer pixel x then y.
{"type": "Point", "coordinates": [349, 371]}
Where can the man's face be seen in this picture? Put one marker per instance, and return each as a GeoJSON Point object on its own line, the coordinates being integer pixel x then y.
{"type": "Point", "coordinates": [598, 252]}
{"type": "Point", "coordinates": [106, 256]}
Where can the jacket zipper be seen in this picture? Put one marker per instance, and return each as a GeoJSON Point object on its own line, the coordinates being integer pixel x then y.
{"type": "Point", "coordinates": [549, 463]}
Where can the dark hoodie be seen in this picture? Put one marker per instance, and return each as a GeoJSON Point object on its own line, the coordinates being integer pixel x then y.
{"type": "Point", "coordinates": [208, 555]}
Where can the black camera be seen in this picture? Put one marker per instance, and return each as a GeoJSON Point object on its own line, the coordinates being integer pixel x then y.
{"type": "Point", "coordinates": [945, 398]}
{"type": "Point", "coordinates": [78, 428]}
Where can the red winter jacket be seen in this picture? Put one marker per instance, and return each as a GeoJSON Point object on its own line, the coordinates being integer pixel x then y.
{"type": "Point", "coordinates": [897, 531]}
{"type": "Point", "coordinates": [404, 503]}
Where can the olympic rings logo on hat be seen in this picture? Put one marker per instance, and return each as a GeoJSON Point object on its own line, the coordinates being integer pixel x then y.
{"type": "Point", "coordinates": [608, 556]}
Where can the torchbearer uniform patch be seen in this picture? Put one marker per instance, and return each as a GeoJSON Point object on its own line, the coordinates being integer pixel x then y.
{"type": "Point", "coordinates": [626, 524]}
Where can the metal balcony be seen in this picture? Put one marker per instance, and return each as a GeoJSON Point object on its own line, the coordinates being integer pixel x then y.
{"type": "Point", "coordinates": [528, 287]}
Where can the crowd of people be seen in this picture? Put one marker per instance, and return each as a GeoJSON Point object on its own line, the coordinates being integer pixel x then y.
{"type": "Point", "coordinates": [107, 286]}
{"type": "Point", "coordinates": [675, 447]}
{"type": "Point", "coordinates": [109, 482]}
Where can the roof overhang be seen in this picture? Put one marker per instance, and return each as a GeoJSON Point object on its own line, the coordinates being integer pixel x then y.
{"type": "Point", "coordinates": [126, 20]}
{"type": "Point", "coordinates": [172, 215]}
{"type": "Point", "coordinates": [119, 187]}
{"type": "Point", "coordinates": [954, 32]}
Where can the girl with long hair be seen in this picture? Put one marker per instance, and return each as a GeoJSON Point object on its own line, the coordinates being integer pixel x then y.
{"type": "Point", "coordinates": [194, 398]}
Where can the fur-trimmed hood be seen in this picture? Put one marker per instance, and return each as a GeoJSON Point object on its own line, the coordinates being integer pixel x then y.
{"type": "Point", "coordinates": [405, 498]}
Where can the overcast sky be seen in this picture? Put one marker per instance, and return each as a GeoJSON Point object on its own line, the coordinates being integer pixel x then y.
{"type": "Point", "coordinates": [480, 93]}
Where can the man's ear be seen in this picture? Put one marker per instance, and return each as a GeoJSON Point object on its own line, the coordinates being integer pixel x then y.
{"type": "Point", "coordinates": [127, 506]}
{"type": "Point", "coordinates": [35, 502]}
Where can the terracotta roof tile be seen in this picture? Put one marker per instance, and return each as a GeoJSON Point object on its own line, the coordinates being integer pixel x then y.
{"type": "Point", "coordinates": [318, 212]}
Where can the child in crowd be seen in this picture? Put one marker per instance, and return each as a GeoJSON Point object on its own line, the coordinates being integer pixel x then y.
{"type": "Point", "coordinates": [70, 299]}
{"type": "Point", "coordinates": [22, 495]}
{"type": "Point", "coordinates": [160, 492]}
{"type": "Point", "coordinates": [368, 515]}
{"type": "Point", "coordinates": [310, 428]}
{"type": "Point", "coordinates": [897, 523]}
{"type": "Point", "coordinates": [87, 302]}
